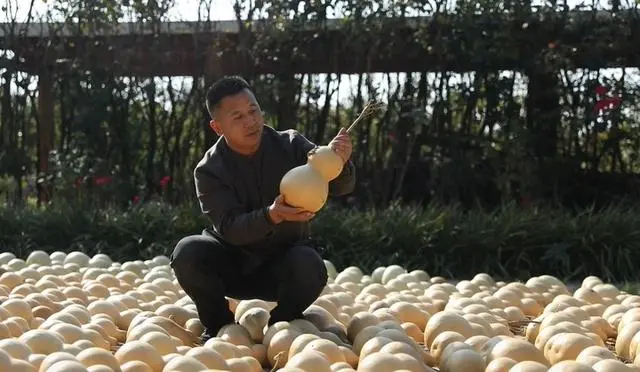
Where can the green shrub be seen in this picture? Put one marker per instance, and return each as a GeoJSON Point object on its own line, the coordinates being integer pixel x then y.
{"type": "Point", "coordinates": [508, 243]}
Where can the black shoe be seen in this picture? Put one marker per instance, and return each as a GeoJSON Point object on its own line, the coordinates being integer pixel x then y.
{"type": "Point", "coordinates": [209, 333]}
{"type": "Point", "coordinates": [206, 335]}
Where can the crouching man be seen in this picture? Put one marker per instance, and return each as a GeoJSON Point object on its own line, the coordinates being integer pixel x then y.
{"type": "Point", "coordinates": [257, 246]}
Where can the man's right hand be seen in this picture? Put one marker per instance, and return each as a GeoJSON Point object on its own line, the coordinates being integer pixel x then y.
{"type": "Point", "coordinates": [279, 211]}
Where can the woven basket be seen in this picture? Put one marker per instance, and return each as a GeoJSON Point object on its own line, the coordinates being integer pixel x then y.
{"type": "Point", "coordinates": [519, 327]}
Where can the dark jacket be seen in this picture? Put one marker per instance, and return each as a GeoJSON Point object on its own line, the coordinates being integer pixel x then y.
{"type": "Point", "coordinates": [235, 191]}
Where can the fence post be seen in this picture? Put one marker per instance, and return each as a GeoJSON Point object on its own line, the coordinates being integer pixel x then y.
{"type": "Point", "coordinates": [46, 132]}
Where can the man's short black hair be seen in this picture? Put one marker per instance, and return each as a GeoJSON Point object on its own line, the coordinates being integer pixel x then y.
{"type": "Point", "coordinates": [227, 86]}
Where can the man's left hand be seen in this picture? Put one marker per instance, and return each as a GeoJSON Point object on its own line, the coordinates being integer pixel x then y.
{"type": "Point", "coordinates": [341, 144]}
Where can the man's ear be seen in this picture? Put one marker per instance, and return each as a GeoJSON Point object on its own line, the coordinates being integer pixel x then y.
{"type": "Point", "coordinates": [215, 126]}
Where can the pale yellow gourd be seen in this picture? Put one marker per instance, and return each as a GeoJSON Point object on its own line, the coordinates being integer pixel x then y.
{"type": "Point", "coordinates": [326, 162]}
{"type": "Point", "coordinates": [307, 186]}
{"type": "Point", "coordinates": [394, 320]}
{"type": "Point", "coordinates": [303, 187]}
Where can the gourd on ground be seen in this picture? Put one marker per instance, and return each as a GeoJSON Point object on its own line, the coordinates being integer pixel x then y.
{"type": "Point", "coordinates": [106, 316]}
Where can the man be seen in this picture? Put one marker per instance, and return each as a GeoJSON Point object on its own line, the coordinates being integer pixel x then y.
{"type": "Point", "coordinates": [257, 246]}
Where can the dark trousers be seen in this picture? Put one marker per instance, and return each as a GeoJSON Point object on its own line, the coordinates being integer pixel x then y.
{"type": "Point", "coordinates": [208, 271]}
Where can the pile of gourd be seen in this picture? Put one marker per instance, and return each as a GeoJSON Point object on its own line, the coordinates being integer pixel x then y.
{"type": "Point", "coordinates": [71, 312]}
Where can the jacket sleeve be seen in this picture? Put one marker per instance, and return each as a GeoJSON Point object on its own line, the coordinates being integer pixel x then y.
{"type": "Point", "coordinates": [231, 222]}
{"type": "Point", "coordinates": [343, 184]}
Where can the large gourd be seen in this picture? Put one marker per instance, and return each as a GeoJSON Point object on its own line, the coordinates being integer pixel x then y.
{"type": "Point", "coordinates": [307, 186]}
{"type": "Point", "coordinates": [304, 187]}
{"type": "Point", "coordinates": [326, 162]}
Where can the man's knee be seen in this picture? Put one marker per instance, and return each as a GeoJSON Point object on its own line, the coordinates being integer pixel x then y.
{"type": "Point", "coordinates": [188, 251]}
{"type": "Point", "coordinates": [307, 266]}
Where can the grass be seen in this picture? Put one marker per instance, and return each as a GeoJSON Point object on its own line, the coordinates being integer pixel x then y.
{"type": "Point", "coordinates": [508, 243]}
{"type": "Point", "coordinates": [630, 287]}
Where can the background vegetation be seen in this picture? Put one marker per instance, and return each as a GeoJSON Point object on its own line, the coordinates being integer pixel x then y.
{"type": "Point", "coordinates": [508, 242]}
{"type": "Point", "coordinates": [516, 167]}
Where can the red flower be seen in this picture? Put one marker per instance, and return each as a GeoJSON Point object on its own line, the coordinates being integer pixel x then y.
{"type": "Point", "coordinates": [165, 181]}
{"type": "Point", "coordinates": [608, 103]}
{"type": "Point", "coordinates": [601, 90]}
{"type": "Point", "coordinates": [135, 199]}
{"type": "Point", "coordinates": [101, 181]}
{"type": "Point", "coordinates": [526, 200]}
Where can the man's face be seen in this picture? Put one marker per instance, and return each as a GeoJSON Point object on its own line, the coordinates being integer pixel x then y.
{"type": "Point", "coordinates": [239, 119]}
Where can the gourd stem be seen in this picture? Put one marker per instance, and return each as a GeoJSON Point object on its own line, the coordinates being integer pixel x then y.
{"type": "Point", "coordinates": [369, 109]}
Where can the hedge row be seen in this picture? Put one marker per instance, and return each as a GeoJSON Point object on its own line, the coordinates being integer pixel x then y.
{"type": "Point", "coordinates": [508, 243]}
